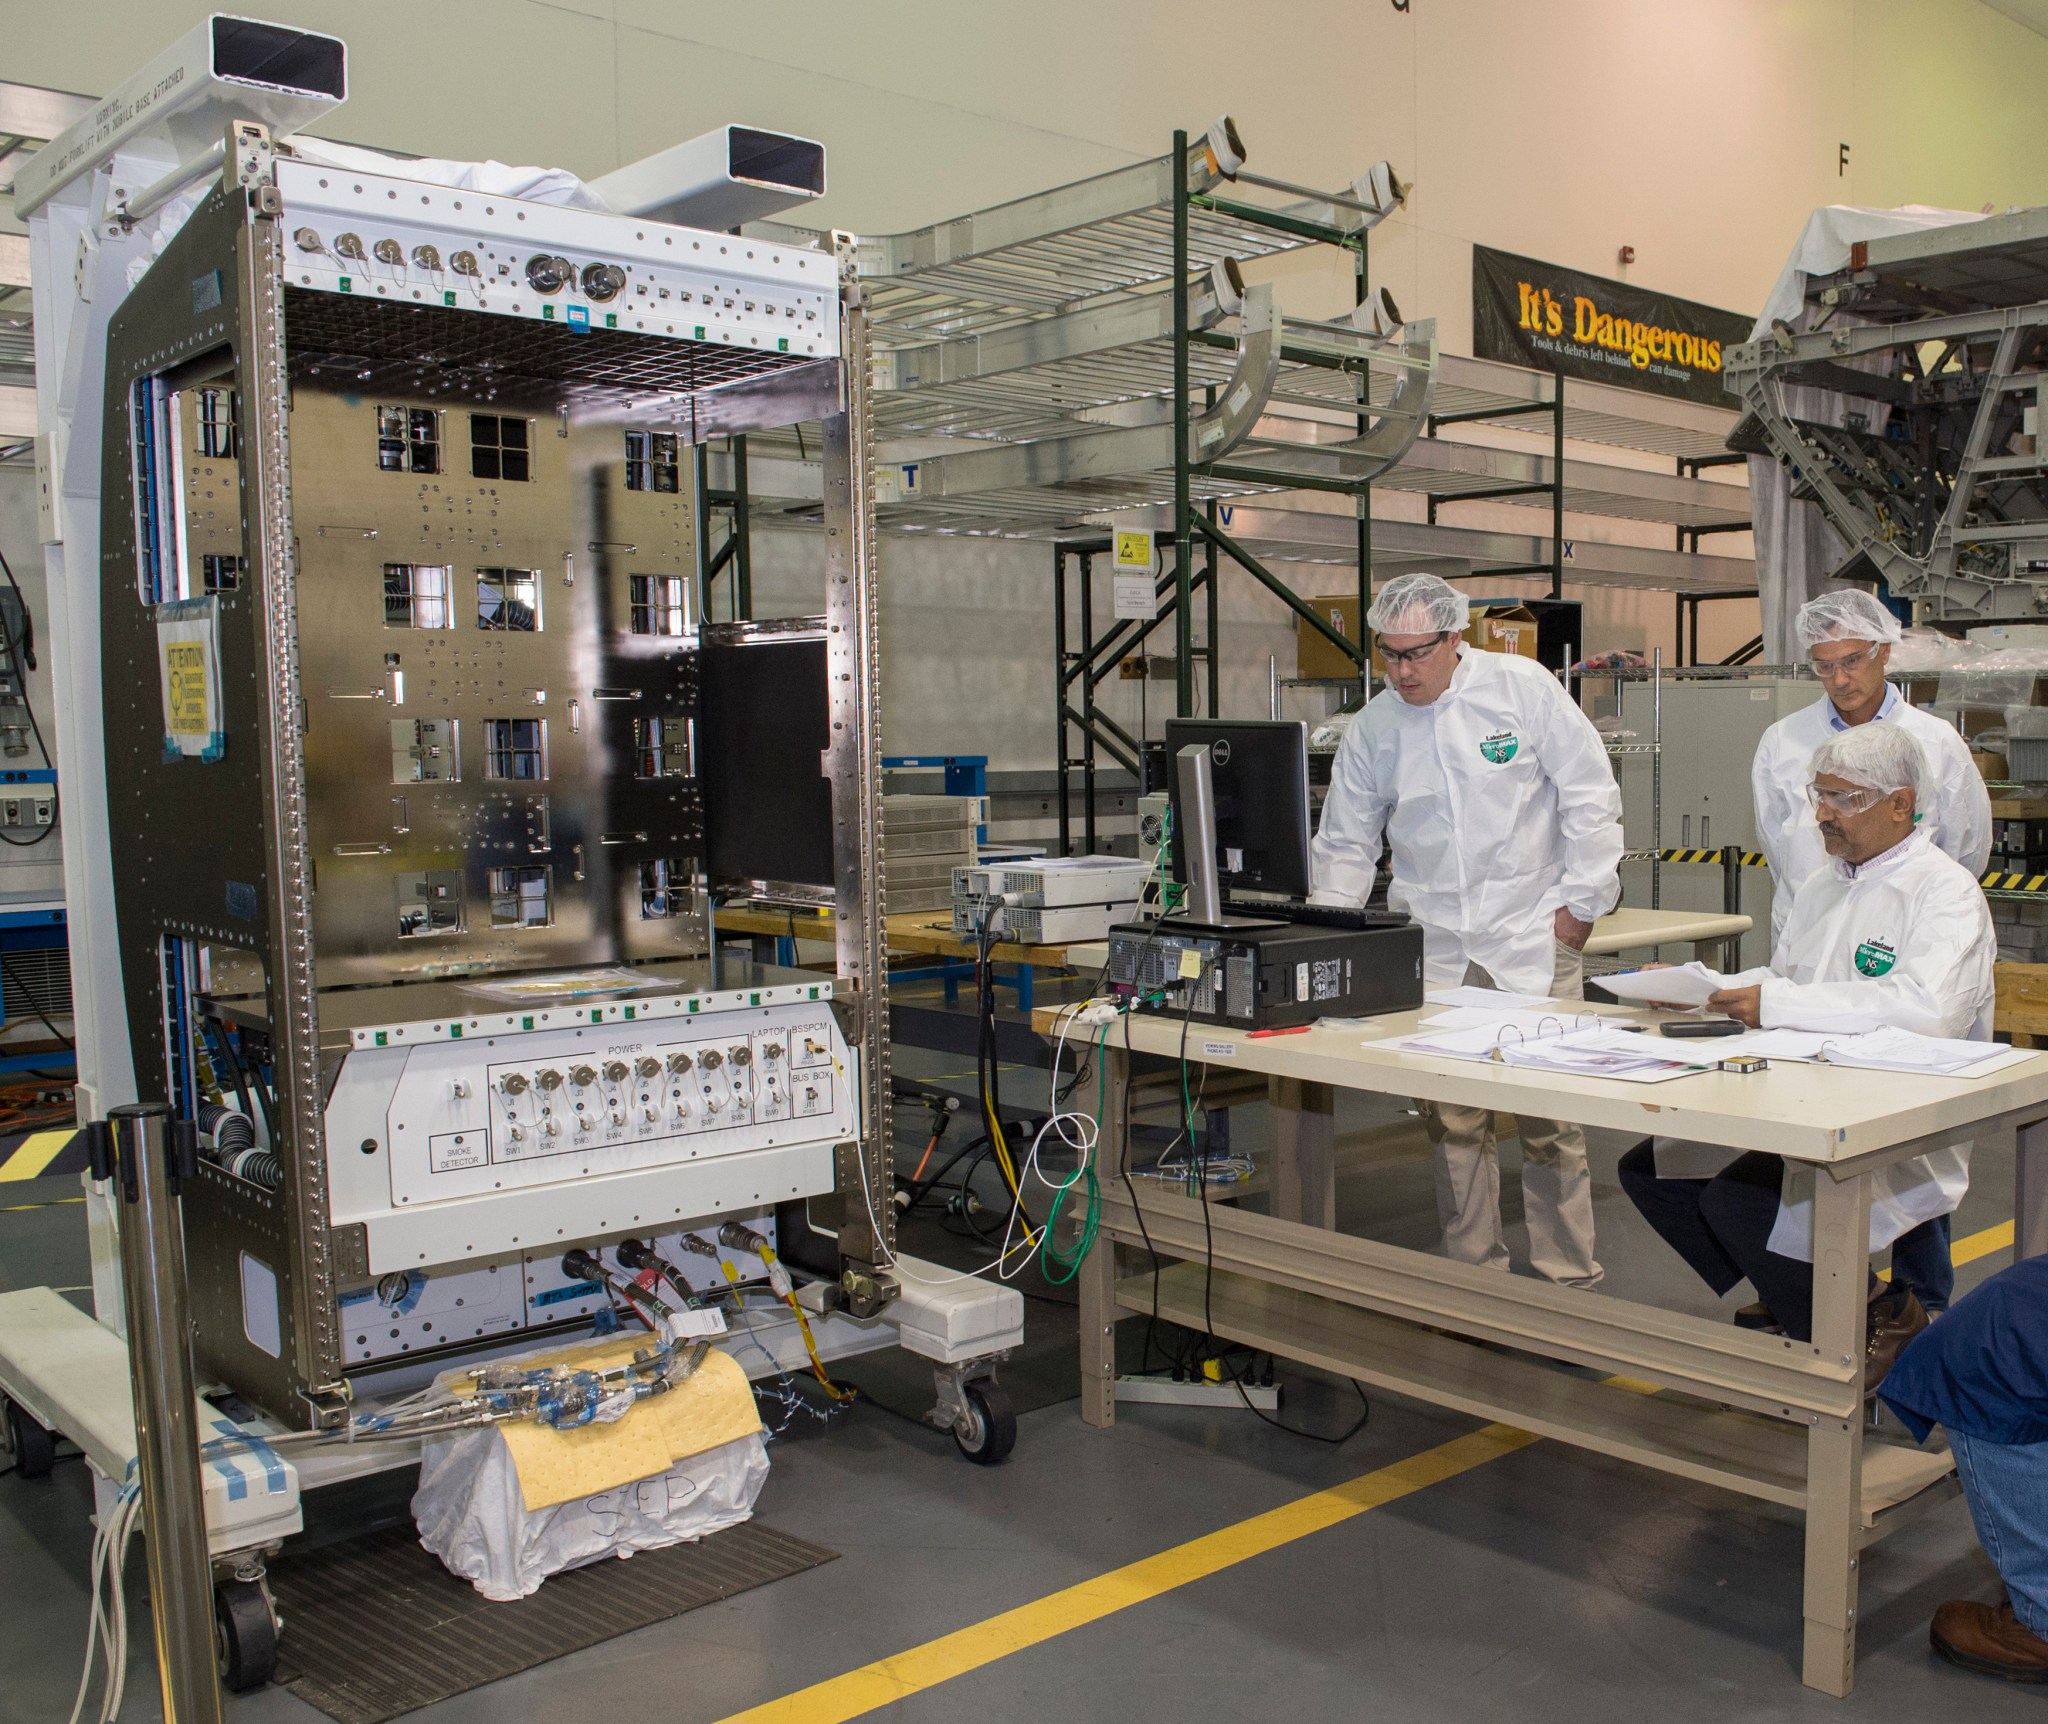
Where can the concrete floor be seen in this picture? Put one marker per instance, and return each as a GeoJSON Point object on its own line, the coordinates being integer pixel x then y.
{"type": "Point", "coordinates": [1546, 1584]}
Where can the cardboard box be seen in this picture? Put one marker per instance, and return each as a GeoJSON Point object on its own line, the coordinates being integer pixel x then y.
{"type": "Point", "coordinates": [1991, 767]}
{"type": "Point", "coordinates": [2019, 808]}
{"type": "Point", "coordinates": [1508, 628]}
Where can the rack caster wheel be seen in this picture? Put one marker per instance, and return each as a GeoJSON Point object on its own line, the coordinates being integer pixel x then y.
{"type": "Point", "coordinates": [33, 1444]}
{"type": "Point", "coordinates": [986, 1429]}
{"type": "Point", "coordinates": [244, 1634]}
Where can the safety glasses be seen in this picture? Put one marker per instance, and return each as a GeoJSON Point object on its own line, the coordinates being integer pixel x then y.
{"type": "Point", "coordinates": [1413, 655]}
{"type": "Point", "coordinates": [1827, 669]}
{"type": "Point", "coordinates": [1851, 801]}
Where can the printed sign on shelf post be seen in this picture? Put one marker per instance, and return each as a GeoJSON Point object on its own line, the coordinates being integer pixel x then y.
{"type": "Point", "coordinates": [1134, 566]}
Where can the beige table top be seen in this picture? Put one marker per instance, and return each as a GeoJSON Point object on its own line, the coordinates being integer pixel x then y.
{"type": "Point", "coordinates": [1807, 1112]}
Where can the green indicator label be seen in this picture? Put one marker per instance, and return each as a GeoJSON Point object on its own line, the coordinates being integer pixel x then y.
{"type": "Point", "coordinates": [381, 1042]}
{"type": "Point", "coordinates": [597, 1014]}
{"type": "Point", "coordinates": [347, 286]}
{"type": "Point", "coordinates": [700, 332]}
{"type": "Point", "coordinates": [448, 296]}
{"type": "Point", "coordinates": [782, 346]}
{"type": "Point", "coordinates": [629, 1014]}
{"type": "Point", "coordinates": [611, 320]}
{"type": "Point", "coordinates": [753, 999]}
{"type": "Point", "coordinates": [526, 1023]}
{"type": "Point", "coordinates": [694, 1004]}
{"type": "Point", "coordinates": [455, 1031]}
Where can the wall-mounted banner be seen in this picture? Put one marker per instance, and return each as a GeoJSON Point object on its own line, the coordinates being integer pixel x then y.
{"type": "Point", "coordinates": [1551, 318]}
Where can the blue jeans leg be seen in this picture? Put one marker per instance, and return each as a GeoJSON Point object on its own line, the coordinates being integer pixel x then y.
{"type": "Point", "coordinates": [1920, 1259]}
{"type": "Point", "coordinates": [2006, 1486]}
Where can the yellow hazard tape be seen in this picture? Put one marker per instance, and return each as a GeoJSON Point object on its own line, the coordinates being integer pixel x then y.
{"type": "Point", "coordinates": [35, 1153]}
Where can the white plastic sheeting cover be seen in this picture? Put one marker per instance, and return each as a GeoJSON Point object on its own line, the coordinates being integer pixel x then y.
{"type": "Point", "coordinates": [497, 179]}
{"type": "Point", "coordinates": [1795, 548]}
{"type": "Point", "coordinates": [472, 1514]}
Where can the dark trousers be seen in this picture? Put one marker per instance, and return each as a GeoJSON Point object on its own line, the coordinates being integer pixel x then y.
{"type": "Point", "coordinates": [1722, 1226]}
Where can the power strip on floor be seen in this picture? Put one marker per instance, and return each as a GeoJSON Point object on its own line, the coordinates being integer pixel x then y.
{"type": "Point", "coordinates": [1164, 1391]}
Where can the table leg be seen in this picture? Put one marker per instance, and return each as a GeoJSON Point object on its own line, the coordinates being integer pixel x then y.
{"type": "Point", "coordinates": [1096, 1287]}
{"type": "Point", "coordinates": [1304, 1151]}
{"type": "Point", "coordinates": [1834, 1447]}
{"type": "Point", "coordinates": [2030, 1190]}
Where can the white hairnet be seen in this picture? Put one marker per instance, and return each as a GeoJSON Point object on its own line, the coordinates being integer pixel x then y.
{"type": "Point", "coordinates": [1848, 615]}
{"type": "Point", "coordinates": [1418, 605]}
{"type": "Point", "coordinates": [1877, 756]}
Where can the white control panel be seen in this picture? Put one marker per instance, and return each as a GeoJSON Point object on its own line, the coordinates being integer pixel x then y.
{"type": "Point", "coordinates": [470, 1118]}
{"type": "Point", "coordinates": [373, 237]}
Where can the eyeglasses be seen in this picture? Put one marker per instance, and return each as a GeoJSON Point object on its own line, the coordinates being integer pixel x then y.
{"type": "Point", "coordinates": [1413, 655]}
{"type": "Point", "coordinates": [1827, 669]}
{"type": "Point", "coordinates": [1851, 801]}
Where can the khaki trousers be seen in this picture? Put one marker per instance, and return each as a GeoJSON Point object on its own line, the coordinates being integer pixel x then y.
{"type": "Point", "coordinates": [1557, 1188]}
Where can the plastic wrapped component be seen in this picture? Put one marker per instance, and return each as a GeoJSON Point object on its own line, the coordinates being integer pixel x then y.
{"type": "Point", "coordinates": [2026, 744]}
{"type": "Point", "coordinates": [1919, 651]}
{"type": "Point", "coordinates": [2008, 677]}
{"type": "Point", "coordinates": [472, 1513]}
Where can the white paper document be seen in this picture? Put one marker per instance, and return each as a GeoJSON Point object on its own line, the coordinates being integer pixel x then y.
{"type": "Point", "coordinates": [1902, 1051]}
{"type": "Point", "coordinates": [1583, 1049]}
{"type": "Point", "coordinates": [1679, 985]}
{"type": "Point", "coordinates": [1483, 997]}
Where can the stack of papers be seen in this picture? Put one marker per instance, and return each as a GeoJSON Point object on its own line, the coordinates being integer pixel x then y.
{"type": "Point", "coordinates": [1585, 1048]}
{"type": "Point", "coordinates": [1902, 1051]}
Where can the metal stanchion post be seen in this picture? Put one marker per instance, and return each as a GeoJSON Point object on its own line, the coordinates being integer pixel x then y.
{"type": "Point", "coordinates": [150, 1157]}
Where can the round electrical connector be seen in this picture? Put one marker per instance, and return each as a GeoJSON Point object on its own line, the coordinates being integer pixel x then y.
{"type": "Point", "coordinates": [679, 1062]}
{"type": "Point", "coordinates": [389, 251]}
{"type": "Point", "coordinates": [547, 273]}
{"type": "Point", "coordinates": [582, 1076]}
{"type": "Point", "coordinates": [603, 281]}
{"type": "Point", "coordinates": [426, 257]}
{"type": "Point", "coordinates": [712, 1059]}
{"type": "Point", "coordinates": [350, 245]}
{"type": "Point", "coordinates": [464, 263]}
{"type": "Point", "coordinates": [743, 1056]}
{"type": "Point", "coordinates": [615, 1071]}
{"type": "Point", "coordinates": [647, 1066]}
{"type": "Point", "coordinates": [549, 1079]}
{"type": "Point", "coordinates": [307, 240]}
{"type": "Point", "coordinates": [513, 1083]}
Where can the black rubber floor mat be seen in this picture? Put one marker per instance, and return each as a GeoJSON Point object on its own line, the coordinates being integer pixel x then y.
{"type": "Point", "coordinates": [375, 1627]}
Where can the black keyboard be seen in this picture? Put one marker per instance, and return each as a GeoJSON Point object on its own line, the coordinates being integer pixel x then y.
{"type": "Point", "coordinates": [1352, 917]}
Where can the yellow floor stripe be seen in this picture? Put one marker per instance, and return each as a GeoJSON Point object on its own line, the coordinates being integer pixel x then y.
{"type": "Point", "coordinates": [895, 1678]}
{"type": "Point", "coordinates": [1978, 1245]}
{"type": "Point", "coordinates": [37, 1151]}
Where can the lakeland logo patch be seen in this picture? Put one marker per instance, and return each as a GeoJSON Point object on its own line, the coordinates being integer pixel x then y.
{"type": "Point", "coordinates": [1500, 747]}
{"type": "Point", "coordinates": [1875, 958]}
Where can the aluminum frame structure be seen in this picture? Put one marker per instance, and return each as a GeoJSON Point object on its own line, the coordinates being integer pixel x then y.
{"type": "Point", "coordinates": [1937, 344]}
{"type": "Point", "coordinates": [258, 319]}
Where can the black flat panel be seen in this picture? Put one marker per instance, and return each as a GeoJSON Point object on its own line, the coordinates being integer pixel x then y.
{"type": "Point", "coordinates": [761, 736]}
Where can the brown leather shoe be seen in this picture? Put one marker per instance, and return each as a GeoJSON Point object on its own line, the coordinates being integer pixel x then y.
{"type": "Point", "coordinates": [1896, 1316]}
{"type": "Point", "coordinates": [1989, 1639]}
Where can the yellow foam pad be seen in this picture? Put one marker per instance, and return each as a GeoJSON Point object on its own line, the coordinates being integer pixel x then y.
{"type": "Point", "coordinates": [714, 1405]}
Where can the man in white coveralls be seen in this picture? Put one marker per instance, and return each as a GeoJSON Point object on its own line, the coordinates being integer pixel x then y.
{"type": "Point", "coordinates": [1847, 636]}
{"type": "Point", "coordinates": [1892, 933]}
{"type": "Point", "coordinates": [1494, 792]}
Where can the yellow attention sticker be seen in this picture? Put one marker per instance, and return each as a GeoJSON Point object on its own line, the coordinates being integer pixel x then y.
{"type": "Point", "coordinates": [1190, 964]}
{"type": "Point", "coordinates": [185, 679]}
{"type": "Point", "coordinates": [1133, 550]}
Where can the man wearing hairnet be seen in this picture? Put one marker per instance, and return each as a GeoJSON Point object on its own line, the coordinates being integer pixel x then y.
{"type": "Point", "coordinates": [1848, 639]}
{"type": "Point", "coordinates": [1889, 933]}
{"type": "Point", "coordinates": [1493, 790]}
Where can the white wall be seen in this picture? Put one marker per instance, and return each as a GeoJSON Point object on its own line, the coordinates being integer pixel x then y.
{"type": "Point", "coordinates": [1700, 133]}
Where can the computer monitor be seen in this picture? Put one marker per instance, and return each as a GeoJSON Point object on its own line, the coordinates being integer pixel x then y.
{"type": "Point", "coordinates": [1260, 771]}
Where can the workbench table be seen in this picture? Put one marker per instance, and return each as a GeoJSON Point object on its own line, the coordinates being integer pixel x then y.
{"type": "Point", "coordinates": [920, 933]}
{"type": "Point", "coordinates": [1758, 1414]}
